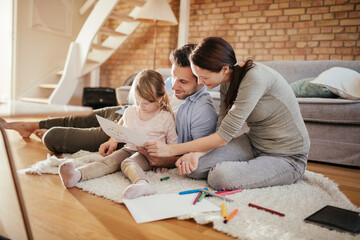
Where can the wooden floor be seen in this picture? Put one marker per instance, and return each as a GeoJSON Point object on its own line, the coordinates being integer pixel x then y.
{"type": "Point", "coordinates": [58, 213]}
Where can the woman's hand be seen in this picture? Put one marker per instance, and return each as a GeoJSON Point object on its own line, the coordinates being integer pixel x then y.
{"type": "Point", "coordinates": [158, 149]}
{"type": "Point", "coordinates": [108, 147]}
{"type": "Point", "coordinates": [188, 163]}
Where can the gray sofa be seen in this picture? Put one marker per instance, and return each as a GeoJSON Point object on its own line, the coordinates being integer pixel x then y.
{"type": "Point", "coordinates": [333, 123]}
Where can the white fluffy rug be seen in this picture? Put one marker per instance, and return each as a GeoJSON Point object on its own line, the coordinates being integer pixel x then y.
{"type": "Point", "coordinates": [296, 201]}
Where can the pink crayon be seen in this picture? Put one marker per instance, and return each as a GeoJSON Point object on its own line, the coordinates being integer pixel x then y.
{"type": "Point", "coordinates": [224, 193]}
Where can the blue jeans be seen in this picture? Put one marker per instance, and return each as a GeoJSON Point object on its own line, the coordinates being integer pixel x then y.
{"type": "Point", "coordinates": [240, 165]}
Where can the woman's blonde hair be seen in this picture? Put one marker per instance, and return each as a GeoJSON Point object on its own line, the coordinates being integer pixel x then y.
{"type": "Point", "coordinates": [149, 85]}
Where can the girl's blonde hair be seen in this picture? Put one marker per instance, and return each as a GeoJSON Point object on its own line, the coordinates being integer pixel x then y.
{"type": "Point", "coordinates": [149, 85]}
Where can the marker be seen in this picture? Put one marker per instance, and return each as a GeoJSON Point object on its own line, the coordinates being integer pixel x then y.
{"type": "Point", "coordinates": [223, 208]}
{"type": "Point", "coordinates": [191, 191]}
{"type": "Point", "coordinates": [266, 209]}
{"type": "Point", "coordinates": [224, 193]}
{"type": "Point", "coordinates": [216, 195]}
{"type": "Point", "coordinates": [164, 178]}
{"type": "Point", "coordinates": [201, 197]}
{"type": "Point", "coordinates": [197, 198]}
{"type": "Point", "coordinates": [231, 215]}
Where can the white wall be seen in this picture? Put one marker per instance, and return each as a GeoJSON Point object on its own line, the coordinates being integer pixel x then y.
{"type": "Point", "coordinates": [40, 54]}
{"type": "Point", "coordinates": [6, 13]}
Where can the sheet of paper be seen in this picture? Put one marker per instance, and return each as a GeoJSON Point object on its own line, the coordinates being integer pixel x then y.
{"type": "Point", "coordinates": [121, 133]}
{"type": "Point", "coordinates": [163, 206]}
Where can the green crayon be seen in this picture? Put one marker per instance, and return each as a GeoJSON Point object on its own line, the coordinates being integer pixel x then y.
{"type": "Point", "coordinates": [201, 197]}
{"type": "Point", "coordinates": [165, 178]}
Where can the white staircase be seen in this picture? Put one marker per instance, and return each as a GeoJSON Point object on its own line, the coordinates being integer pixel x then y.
{"type": "Point", "coordinates": [86, 53]}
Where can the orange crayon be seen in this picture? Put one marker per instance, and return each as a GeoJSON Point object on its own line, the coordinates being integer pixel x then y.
{"type": "Point", "coordinates": [231, 215]}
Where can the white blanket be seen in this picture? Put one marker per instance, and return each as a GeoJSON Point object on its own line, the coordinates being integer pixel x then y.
{"type": "Point", "coordinates": [296, 201]}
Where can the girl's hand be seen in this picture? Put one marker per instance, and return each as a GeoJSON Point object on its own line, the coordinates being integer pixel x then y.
{"type": "Point", "coordinates": [108, 147]}
{"type": "Point", "coordinates": [188, 163]}
{"type": "Point", "coordinates": [158, 149]}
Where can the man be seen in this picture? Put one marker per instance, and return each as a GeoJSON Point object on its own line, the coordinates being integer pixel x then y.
{"type": "Point", "coordinates": [195, 118]}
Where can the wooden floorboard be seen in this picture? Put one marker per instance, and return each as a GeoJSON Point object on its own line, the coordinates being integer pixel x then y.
{"type": "Point", "coordinates": [58, 213]}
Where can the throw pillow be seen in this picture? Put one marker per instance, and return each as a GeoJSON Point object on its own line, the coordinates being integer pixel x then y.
{"type": "Point", "coordinates": [343, 82]}
{"type": "Point", "coordinates": [304, 88]}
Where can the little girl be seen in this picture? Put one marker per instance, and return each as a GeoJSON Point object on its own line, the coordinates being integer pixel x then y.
{"type": "Point", "coordinates": [151, 115]}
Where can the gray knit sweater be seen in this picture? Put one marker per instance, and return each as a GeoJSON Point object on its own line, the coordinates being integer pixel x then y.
{"type": "Point", "coordinates": [268, 105]}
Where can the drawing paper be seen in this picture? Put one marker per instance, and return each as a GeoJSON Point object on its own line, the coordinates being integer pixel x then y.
{"type": "Point", "coordinates": [121, 133]}
{"type": "Point", "coordinates": [163, 206]}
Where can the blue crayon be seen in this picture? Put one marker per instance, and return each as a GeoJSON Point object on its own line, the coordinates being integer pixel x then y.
{"type": "Point", "coordinates": [191, 191]}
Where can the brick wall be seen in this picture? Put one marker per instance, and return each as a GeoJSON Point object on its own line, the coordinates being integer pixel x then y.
{"type": "Point", "coordinates": [281, 29]}
{"type": "Point", "coordinates": [260, 29]}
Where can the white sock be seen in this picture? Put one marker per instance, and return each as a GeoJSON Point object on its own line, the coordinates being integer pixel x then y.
{"type": "Point", "coordinates": [69, 175]}
{"type": "Point", "coordinates": [140, 188]}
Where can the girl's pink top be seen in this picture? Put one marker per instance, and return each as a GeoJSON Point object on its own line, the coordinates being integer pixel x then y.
{"type": "Point", "coordinates": [160, 127]}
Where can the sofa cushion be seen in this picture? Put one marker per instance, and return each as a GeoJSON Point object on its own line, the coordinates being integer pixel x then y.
{"type": "Point", "coordinates": [296, 70]}
{"type": "Point", "coordinates": [304, 88]}
{"type": "Point", "coordinates": [343, 82]}
{"type": "Point", "coordinates": [330, 110]}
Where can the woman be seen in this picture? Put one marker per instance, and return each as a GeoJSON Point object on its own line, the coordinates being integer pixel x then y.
{"type": "Point", "coordinates": [273, 152]}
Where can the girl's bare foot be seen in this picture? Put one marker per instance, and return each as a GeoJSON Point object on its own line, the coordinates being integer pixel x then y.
{"type": "Point", "coordinates": [25, 129]}
{"type": "Point", "coordinates": [40, 132]}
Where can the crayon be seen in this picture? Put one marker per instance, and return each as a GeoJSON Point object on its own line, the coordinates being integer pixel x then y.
{"type": "Point", "coordinates": [266, 209]}
{"type": "Point", "coordinates": [228, 218]}
{"type": "Point", "coordinates": [224, 193]}
{"type": "Point", "coordinates": [216, 195]}
{"type": "Point", "coordinates": [223, 208]}
{"type": "Point", "coordinates": [197, 198]}
{"type": "Point", "coordinates": [201, 197]}
{"type": "Point", "coordinates": [191, 191]}
{"type": "Point", "coordinates": [164, 178]}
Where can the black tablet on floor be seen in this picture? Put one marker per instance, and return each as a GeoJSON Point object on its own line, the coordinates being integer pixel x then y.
{"type": "Point", "coordinates": [336, 218]}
